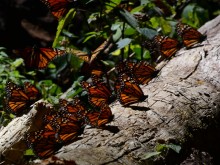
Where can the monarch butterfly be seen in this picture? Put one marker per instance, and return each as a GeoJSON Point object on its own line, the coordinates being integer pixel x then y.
{"type": "Point", "coordinates": [89, 58]}
{"type": "Point", "coordinates": [66, 126]}
{"type": "Point", "coordinates": [31, 91]}
{"type": "Point", "coordinates": [97, 93]}
{"type": "Point", "coordinates": [122, 68]}
{"type": "Point", "coordinates": [142, 71]}
{"type": "Point", "coordinates": [19, 100]}
{"type": "Point", "coordinates": [38, 57]}
{"type": "Point", "coordinates": [59, 7]}
{"type": "Point", "coordinates": [43, 143]}
{"type": "Point", "coordinates": [100, 118]}
{"type": "Point", "coordinates": [189, 35]}
{"type": "Point", "coordinates": [96, 68]}
{"type": "Point", "coordinates": [129, 91]}
{"type": "Point", "coordinates": [75, 107]}
{"type": "Point", "coordinates": [166, 46]}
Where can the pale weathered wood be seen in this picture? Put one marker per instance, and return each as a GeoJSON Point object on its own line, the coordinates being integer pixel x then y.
{"type": "Point", "coordinates": [183, 98]}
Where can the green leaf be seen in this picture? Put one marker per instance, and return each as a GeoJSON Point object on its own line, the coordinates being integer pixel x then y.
{"type": "Point", "coordinates": [17, 62]}
{"type": "Point", "coordinates": [149, 33]}
{"type": "Point", "coordinates": [117, 35]}
{"type": "Point", "coordinates": [111, 5]}
{"type": "Point", "coordinates": [29, 152]}
{"type": "Point", "coordinates": [129, 18]}
{"type": "Point", "coordinates": [124, 42]}
{"type": "Point", "coordinates": [129, 31]}
{"type": "Point", "coordinates": [166, 27]}
{"type": "Point", "coordinates": [149, 155]}
{"type": "Point", "coordinates": [145, 2]}
{"type": "Point", "coordinates": [161, 148]}
{"type": "Point", "coordinates": [62, 24]}
{"type": "Point", "coordinates": [137, 9]}
{"type": "Point", "coordinates": [174, 147]}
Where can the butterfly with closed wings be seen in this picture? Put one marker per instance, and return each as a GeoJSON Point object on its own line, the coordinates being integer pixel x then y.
{"type": "Point", "coordinates": [142, 71]}
{"type": "Point", "coordinates": [128, 91]}
{"type": "Point", "coordinates": [189, 35]}
{"type": "Point", "coordinates": [99, 118]}
{"type": "Point", "coordinates": [98, 92]}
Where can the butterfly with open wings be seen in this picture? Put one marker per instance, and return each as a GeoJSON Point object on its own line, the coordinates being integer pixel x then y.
{"type": "Point", "coordinates": [38, 58]}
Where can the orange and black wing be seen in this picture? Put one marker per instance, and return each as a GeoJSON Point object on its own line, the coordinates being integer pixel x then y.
{"type": "Point", "coordinates": [31, 91]}
{"type": "Point", "coordinates": [97, 93]}
{"type": "Point", "coordinates": [144, 72]}
{"type": "Point", "coordinates": [167, 46]}
{"type": "Point", "coordinates": [189, 35]}
{"type": "Point", "coordinates": [58, 7]}
{"type": "Point", "coordinates": [38, 58]}
{"type": "Point", "coordinates": [75, 107]}
{"type": "Point", "coordinates": [100, 118]}
{"type": "Point", "coordinates": [66, 126]}
{"type": "Point", "coordinates": [17, 100]}
{"type": "Point", "coordinates": [43, 143]}
{"type": "Point", "coordinates": [69, 128]}
{"type": "Point", "coordinates": [129, 92]}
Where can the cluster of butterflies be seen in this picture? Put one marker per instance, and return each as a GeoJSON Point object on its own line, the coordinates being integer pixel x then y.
{"type": "Point", "coordinates": [64, 124]}
{"type": "Point", "coordinates": [61, 126]}
{"type": "Point", "coordinates": [166, 47]}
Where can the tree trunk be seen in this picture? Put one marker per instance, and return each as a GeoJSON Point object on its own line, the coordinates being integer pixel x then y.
{"type": "Point", "coordinates": [182, 108]}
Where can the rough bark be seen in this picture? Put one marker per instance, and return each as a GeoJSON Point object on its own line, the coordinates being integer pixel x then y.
{"type": "Point", "coordinates": [182, 107]}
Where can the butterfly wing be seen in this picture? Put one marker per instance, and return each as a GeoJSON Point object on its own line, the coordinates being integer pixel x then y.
{"type": "Point", "coordinates": [57, 7]}
{"type": "Point", "coordinates": [43, 143]}
{"type": "Point", "coordinates": [144, 72]}
{"type": "Point", "coordinates": [97, 93]}
{"type": "Point", "coordinates": [129, 91]}
{"type": "Point", "coordinates": [46, 55]}
{"type": "Point", "coordinates": [66, 125]}
{"type": "Point", "coordinates": [17, 100]}
{"type": "Point", "coordinates": [100, 118]}
{"type": "Point", "coordinates": [38, 57]}
{"type": "Point", "coordinates": [166, 46]}
{"type": "Point", "coordinates": [31, 91]}
{"type": "Point", "coordinates": [189, 35]}
{"type": "Point", "coordinates": [75, 108]}
{"type": "Point", "coordinates": [69, 128]}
